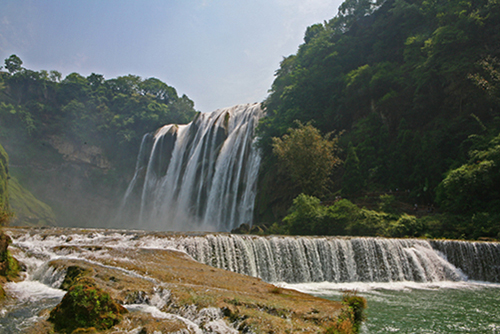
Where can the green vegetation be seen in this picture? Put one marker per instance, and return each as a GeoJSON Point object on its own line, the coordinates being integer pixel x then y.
{"type": "Point", "coordinates": [4, 194]}
{"type": "Point", "coordinates": [307, 158]}
{"type": "Point", "coordinates": [73, 141]}
{"type": "Point", "coordinates": [9, 267]}
{"type": "Point", "coordinates": [28, 209]}
{"type": "Point", "coordinates": [387, 218]}
{"type": "Point", "coordinates": [352, 315]}
{"type": "Point", "coordinates": [86, 306]}
{"type": "Point", "coordinates": [414, 86]}
{"type": "Point", "coordinates": [112, 114]}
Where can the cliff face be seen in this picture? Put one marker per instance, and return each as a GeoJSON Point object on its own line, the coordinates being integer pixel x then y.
{"type": "Point", "coordinates": [73, 184]}
{"type": "Point", "coordinates": [86, 154]}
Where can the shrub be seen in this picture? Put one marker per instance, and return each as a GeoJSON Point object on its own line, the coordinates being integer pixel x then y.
{"type": "Point", "coordinates": [86, 306]}
{"type": "Point", "coordinates": [351, 316]}
{"type": "Point", "coordinates": [305, 214]}
{"type": "Point", "coordinates": [9, 267]}
{"type": "Point", "coordinates": [405, 226]}
{"type": "Point", "coordinates": [357, 305]}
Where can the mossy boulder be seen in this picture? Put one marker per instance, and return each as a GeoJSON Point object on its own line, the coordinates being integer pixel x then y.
{"type": "Point", "coordinates": [86, 306]}
{"type": "Point", "coordinates": [74, 274]}
{"type": "Point", "coordinates": [9, 267]}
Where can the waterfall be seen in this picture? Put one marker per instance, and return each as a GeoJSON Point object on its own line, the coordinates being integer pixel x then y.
{"type": "Point", "coordinates": [294, 259]}
{"type": "Point", "coordinates": [199, 176]}
{"type": "Point", "coordinates": [478, 260]}
{"type": "Point", "coordinates": [318, 259]}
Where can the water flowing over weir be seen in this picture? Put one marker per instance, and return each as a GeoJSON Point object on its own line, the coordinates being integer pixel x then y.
{"type": "Point", "coordinates": [307, 259]}
{"type": "Point", "coordinates": [318, 259]}
{"type": "Point", "coordinates": [199, 176]}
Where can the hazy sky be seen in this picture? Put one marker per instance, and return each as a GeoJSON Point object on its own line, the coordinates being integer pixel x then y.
{"type": "Point", "coordinates": [217, 52]}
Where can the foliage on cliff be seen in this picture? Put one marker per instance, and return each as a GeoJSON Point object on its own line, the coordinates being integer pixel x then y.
{"type": "Point", "coordinates": [9, 267]}
{"type": "Point", "coordinates": [413, 83]}
{"type": "Point", "coordinates": [73, 141]}
{"type": "Point", "coordinates": [112, 114]}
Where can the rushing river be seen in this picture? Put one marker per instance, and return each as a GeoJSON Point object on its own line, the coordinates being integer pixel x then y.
{"type": "Point", "coordinates": [410, 285]}
{"type": "Point", "coordinates": [406, 307]}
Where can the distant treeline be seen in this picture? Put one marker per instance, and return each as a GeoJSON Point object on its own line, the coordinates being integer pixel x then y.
{"type": "Point", "coordinates": [73, 141]}
{"type": "Point", "coordinates": [112, 114]}
{"type": "Point", "coordinates": [415, 86]}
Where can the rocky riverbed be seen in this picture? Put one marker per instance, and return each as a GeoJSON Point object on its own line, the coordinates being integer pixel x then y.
{"type": "Point", "coordinates": [163, 290]}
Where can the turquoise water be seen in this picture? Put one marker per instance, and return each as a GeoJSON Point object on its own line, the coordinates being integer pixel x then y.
{"type": "Point", "coordinates": [445, 307]}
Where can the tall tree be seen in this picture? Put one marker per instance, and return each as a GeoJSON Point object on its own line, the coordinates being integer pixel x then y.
{"type": "Point", "coordinates": [308, 157]}
{"type": "Point", "coordinates": [13, 64]}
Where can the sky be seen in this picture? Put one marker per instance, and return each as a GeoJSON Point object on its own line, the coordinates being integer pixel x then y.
{"type": "Point", "coordinates": [217, 52]}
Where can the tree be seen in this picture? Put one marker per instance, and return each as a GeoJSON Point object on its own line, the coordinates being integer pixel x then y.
{"type": "Point", "coordinates": [305, 214]}
{"type": "Point", "coordinates": [473, 187]}
{"type": "Point", "coordinates": [353, 180]}
{"type": "Point", "coordinates": [307, 157]}
{"type": "Point", "coordinates": [55, 76]}
{"type": "Point", "coordinates": [13, 64]}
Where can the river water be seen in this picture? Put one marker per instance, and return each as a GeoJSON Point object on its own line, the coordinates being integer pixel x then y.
{"type": "Point", "coordinates": [407, 307]}
{"type": "Point", "coordinates": [442, 301]}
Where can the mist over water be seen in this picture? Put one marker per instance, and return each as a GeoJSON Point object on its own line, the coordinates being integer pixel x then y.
{"type": "Point", "coordinates": [199, 176]}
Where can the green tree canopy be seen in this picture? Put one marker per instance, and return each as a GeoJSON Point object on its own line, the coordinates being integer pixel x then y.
{"type": "Point", "coordinates": [308, 157]}
{"type": "Point", "coordinates": [13, 64]}
{"type": "Point", "coordinates": [474, 186]}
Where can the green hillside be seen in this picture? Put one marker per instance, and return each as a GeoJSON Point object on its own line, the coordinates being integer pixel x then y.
{"type": "Point", "coordinates": [73, 141]}
{"type": "Point", "coordinates": [27, 209]}
{"type": "Point", "coordinates": [415, 87]}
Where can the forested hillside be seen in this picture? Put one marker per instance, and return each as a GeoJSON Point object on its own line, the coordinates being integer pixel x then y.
{"type": "Point", "coordinates": [73, 141]}
{"type": "Point", "coordinates": [415, 86]}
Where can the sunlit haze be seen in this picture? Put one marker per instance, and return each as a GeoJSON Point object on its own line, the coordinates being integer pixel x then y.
{"type": "Point", "coordinates": [218, 53]}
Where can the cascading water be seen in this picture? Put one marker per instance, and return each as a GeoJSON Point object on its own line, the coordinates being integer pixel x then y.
{"type": "Point", "coordinates": [324, 264]}
{"type": "Point", "coordinates": [478, 260]}
{"type": "Point", "coordinates": [306, 259]}
{"type": "Point", "coordinates": [199, 176]}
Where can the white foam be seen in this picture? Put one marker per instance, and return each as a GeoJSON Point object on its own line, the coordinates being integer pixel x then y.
{"type": "Point", "coordinates": [329, 288]}
{"type": "Point", "coordinates": [32, 291]}
{"type": "Point", "coordinates": [156, 313]}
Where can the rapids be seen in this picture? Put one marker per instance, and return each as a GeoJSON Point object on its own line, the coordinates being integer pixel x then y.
{"type": "Point", "coordinates": [323, 266]}
{"type": "Point", "coordinates": [301, 259]}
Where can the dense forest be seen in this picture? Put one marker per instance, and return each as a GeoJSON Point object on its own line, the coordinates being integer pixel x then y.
{"type": "Point", "coordinates": [73, 141]}
{"type": "Point", "coordinates": [412, 89]}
